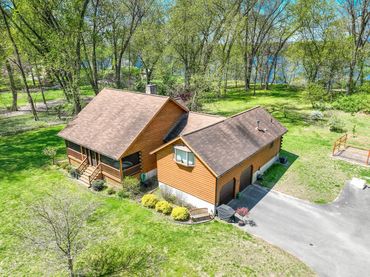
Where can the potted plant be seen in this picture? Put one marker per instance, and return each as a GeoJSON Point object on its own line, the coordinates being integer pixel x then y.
{"type": "Point", "coordinates": [242, 214]}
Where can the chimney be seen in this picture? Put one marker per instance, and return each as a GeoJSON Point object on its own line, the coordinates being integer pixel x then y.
{"type": "Point", "coordinates": [151, 89]}
{"type": "Point", "coordinates": [258, 125]}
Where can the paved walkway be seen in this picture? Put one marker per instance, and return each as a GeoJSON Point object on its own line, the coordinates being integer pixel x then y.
{"type": "Point", "coordinates": [333, 239]}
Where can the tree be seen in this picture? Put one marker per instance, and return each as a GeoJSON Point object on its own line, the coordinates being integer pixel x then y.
{"type": "Point", "coordinates": [357, 13]}
{"type": "Point", "coordinates": [57, 226]}
{"type": "Point", "coordinates": [19, 63]}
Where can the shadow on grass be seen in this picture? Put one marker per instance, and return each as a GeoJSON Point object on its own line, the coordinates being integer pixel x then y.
{"type": "Point", "coordinates": [277, 170]}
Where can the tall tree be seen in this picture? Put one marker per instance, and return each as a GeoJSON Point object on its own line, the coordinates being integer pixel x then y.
{"type": "Point", "coordinates": [19, 63]}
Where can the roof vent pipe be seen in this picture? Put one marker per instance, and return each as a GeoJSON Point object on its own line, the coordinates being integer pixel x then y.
{"type": "Point", "coordinates": [151, 89]}
{"type": "Point", "coordinates": [258, 125]}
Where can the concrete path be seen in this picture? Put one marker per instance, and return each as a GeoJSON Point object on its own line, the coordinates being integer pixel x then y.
{"type": "Point", "coordinates": [333, 239]}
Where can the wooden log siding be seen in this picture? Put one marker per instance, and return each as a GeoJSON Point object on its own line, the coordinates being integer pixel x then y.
{"type": "Point", "coordinates": [74, 154]}
{"type": "Point", "coordinates": [257, 161]}
{"type": "Point", "coordinates": [152, 136]}
{"type": "Point", "coordinates": [197, 181]}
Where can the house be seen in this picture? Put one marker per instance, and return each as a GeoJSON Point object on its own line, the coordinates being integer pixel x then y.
{"type": "Point", "coordinates": [207, 167]}
{"type": "Point", "coordinates": [203, 159]}
{"type": "Point", "coordinates": [114, 134]}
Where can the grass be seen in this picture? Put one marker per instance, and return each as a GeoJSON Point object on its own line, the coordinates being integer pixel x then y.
{"type": "Point", "coordinates": [54, 94]}
{"type": "Point", "coordinates": [214, 248]}
{"type": "Point", "coordinates": [312, 173]}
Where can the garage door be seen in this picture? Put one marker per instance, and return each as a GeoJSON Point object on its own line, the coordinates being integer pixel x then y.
{"type": "Point", "coordinates": [245, 178]}
{"type": "Point", "coordinates": [227, 192]}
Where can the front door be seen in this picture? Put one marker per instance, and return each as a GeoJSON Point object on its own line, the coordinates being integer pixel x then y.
{"type": "Point", "coordinates": [92, 157]}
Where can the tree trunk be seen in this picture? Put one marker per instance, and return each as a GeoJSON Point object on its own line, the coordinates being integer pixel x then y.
{"type": "Point", "coordinates": [13, 88]}
{"type": "Point", "coordinates": [70, 267]}
{"type": "Point", "coordinates": [16, 51]}
{"type": "Point", "coordinates": [41, 87]}
{"type": "Point", "coordinates": [33, 77]}
{"type": "Point", "coordinates": [187, 78]}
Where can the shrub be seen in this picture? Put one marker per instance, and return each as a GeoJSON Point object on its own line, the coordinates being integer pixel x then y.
{"type": "Point", "coordinates": [73, 172]}
{"type": "Point", "coordinates": [180, 213]}
{"type": "Point", "coordinates": [51, 153]}
{"type": "Point", "coordinates": [316, 116]}
{"type": "Point", "coordinates": [131, 186]}
{"type": "Point", "coordinates": [111, 191]}
{"type": "Point", "coordinates": [242, 211]}
{"type": "Point", "coordinates": [336, 125]}
{"type": "Point", "coordinates": [353, 103]}
{"type": "Point", "coordinates": [149, 200]}
{"type": "Point", "coordinates": [98, 185]}
{"type": "Point", "coordinates": [163, 207]}
{"type": "Point", "coordinates": [123, 194]}
{"type": "Point", "coordinates": [315, 94]}
{"type": "Point", "coordinates": [168, 196]}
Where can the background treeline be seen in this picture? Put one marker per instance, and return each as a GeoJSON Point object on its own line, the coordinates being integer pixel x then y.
{"type": "Point", "coordinates": [189, 48]}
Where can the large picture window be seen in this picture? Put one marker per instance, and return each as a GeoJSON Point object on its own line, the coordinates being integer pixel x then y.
{"type": "Point", "coordinates": [183, 155]}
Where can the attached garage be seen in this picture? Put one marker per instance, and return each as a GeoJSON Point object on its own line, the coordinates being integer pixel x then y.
{"type": "Point", "coordinates": [245, 178]}
{"type": "Point", "coordinates": [227, 192]}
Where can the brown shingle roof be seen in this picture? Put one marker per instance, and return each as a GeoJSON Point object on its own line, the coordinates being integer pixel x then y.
{"type": "Point", "coordinates": [225, 144]}
{"type": "Point", "coordinates": [190, 122]}
{"type": "Point", "coordinates": [112, 121]}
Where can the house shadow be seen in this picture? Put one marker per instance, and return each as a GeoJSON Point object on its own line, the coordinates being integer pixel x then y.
{"type": "Point", "coordinates": [253, 194]}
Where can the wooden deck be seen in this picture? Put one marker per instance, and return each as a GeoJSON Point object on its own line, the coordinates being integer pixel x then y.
{"type": "Point", "coordinates": [353, 154]}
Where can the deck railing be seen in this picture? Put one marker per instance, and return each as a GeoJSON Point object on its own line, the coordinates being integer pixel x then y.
{"type": "Point", "coordinates": [342, 141]}
{"type": "Point", "coordinates": [95, 173]}
{"type": "Point", "coordinates": [132, 170]}
{"type": "Point", "coordinates": [83, 165]}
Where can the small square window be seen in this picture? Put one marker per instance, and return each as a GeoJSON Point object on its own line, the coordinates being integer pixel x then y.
{"type": "Point", "coordinates": [184, 156]}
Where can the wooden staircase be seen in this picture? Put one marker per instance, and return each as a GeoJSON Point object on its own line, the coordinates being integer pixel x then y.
{"type": "Point", "coordinates": [86, 174]}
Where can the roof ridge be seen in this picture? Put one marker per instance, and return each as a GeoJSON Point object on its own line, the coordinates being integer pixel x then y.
{"type": "Point", "coordinates": [221, 121]}
{"type": "Point", "coordinates": [136, 92]}
{"type": "Point", "coordinates": [207, 114]}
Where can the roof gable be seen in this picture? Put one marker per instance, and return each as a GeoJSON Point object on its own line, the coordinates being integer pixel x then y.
{"type": "Point", "coordinates": [225, 144]}
{"type": "Point", "coordinates": [113, 120]}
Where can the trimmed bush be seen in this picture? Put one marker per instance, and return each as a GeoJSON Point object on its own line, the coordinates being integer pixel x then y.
{"type": "Point", "coordinates": [180, 213]}
{"type": "Point", "coordinates": [51, 153]}
{"type": "Point", "coordinates": [163, 207]}
{"type": "Point", "coordinates": [149, 200]}
{"type": "Point", "coordinates": [111, 191]}
{"type": "Point", "coordinates": [98, 185]}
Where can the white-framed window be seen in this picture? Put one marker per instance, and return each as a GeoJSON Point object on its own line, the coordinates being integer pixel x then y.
{"type": "Point", "coordinates": [183, 155]}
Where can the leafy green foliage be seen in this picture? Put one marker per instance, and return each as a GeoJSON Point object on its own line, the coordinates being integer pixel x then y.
{"type": "Point", "coordinates": [51, 153]}
{"type": "Point", "coordinates": [98, 185]}
{"type": "Point", "coordinates": [336, 125]}
{"type": "Point", "coordinates": [353, 103]}
{"type": "Point", "coordinates": [180, 213]}
{"type": "Point", "coordinates": [131, 185]}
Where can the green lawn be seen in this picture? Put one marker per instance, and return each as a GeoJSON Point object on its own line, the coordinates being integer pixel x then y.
{"type": "Point", "coordinates": [313, 174]}
{"type": "Point", "coordinates": [6, 97]}
{"type": "Point", "coordinates": [214, 248]}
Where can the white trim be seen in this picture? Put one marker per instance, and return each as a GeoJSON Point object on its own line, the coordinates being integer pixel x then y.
{"type": "Point", "coordinates": [187, 198]}
{"type": "Point", "coordinates": [264, 167]}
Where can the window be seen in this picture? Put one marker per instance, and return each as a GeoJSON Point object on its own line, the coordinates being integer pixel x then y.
{"type": "Point", "coordinates": [184, 156]}
{"type": "Point", "coordinates": [108, 161]}
{"type": "Point", "coordinates": [74, 146]}
{"type": "Point", "coordinates": [131, 160]}
{"type": "Point", "coordinates": [271, 144]}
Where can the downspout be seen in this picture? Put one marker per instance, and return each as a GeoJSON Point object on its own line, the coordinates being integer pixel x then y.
{"type": "Point", "coordinates": [216, 194]}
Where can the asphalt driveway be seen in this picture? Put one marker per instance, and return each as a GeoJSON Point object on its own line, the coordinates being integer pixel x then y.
{"type": "Point", "coordinates": [333, 239]}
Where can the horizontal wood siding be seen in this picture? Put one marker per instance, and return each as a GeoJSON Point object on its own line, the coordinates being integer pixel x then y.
{"type": "Point", "coordinates": [197, 181]}
{"type": "Point", "coordinates": [152, 137]}
{"type": "Point", "coordinates": [106, 169]}
{"type": "Point", "coordinates": [74, 154]}
{"type": "Point", "coordinates": [257, 160]}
